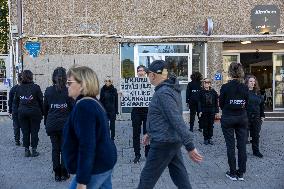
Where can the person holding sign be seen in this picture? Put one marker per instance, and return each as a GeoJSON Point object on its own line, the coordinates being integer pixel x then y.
{"type": "Point", "coordinates": [139, 116]}
{"type": "Point", "coordinates": [166, 131]}
{"type": "Point", "coordinates": [109, 99]}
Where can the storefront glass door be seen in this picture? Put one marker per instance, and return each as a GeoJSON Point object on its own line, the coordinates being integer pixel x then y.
{"type": "Point", "coordinates": [278, 81]}
{"type": "Point", "coordinates": [177, 56]}
{"type": "Point", "coordinates": [228, 58]}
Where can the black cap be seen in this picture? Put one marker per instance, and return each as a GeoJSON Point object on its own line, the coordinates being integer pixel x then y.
{"type": "Point", "coordinates": [157, 67]}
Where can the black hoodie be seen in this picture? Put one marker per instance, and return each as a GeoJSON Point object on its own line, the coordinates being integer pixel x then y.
{"type": "Point", "coordinates": [57, 106]}
{"type": "Point", "coordinates": [233, 98]}
{"type": "Point", "coordinates": [192, 90]}
{"type": "Point", "coordinates": [28, 100]}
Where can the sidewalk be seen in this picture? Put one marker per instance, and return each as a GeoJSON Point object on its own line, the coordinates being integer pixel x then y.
{"type": "Point", "coordinates": [18, 172]}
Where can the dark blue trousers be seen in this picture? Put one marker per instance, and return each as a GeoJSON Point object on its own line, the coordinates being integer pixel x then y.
{"type": "Point", "coordinates": [160, 156]}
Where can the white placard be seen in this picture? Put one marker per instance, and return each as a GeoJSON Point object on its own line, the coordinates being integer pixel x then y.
{"type": "Point", "coordinates": [136, 92]}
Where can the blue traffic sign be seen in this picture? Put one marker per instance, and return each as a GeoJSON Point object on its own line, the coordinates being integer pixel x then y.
{"type": "Point", "coordinates": [33, 48]}
{"type": "Point", "coordinates": [218, 76]}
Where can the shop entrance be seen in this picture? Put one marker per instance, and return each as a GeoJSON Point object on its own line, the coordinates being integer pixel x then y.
{"type": "Point", "coordinates": [268, 67]}
{"type": "Point", "coordinates": [261, 66]}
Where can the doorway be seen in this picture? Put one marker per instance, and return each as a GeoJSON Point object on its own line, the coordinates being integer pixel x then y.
{"type": "Point", "coordinates": [260, 64]}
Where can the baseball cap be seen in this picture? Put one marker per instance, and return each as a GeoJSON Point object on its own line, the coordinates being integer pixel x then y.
{"type": "Point", "coordinates": [156, 66]}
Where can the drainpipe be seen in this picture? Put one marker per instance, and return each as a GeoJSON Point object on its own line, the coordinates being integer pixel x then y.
{"type": "Point", "coordinates": [20, 32]}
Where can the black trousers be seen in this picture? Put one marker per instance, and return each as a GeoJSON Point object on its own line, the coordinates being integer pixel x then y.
{"type": "Point", "coordinates": [207, 121]}
{"type": "Point", "coordinates": [254, 126]}
{"type": "Point", "coordinates": [111, 118]}
{"type": "Point", "coordinates": [16, 127]}
{"type": "Point", "coordinates": [193, 106]}
{"type": "Point", "coordinates": [30, 127]}
{"type": "Point", "coordinates": [235, 125]}
{"type": "Point", "coordinates": [57, 158]}
{"type": "Point", "coordinates": [137, 121]}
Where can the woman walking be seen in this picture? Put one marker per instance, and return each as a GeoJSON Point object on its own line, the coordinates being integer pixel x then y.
{"type": "Point", "coordinates": [28, 103]}
{"type": "Point", "coordinates": [57, 106]}
{"type": "Point", "coordinates": [109, 99]}
{"type": "Point", "coordinates": [255, 111]}
{"type": "Point", "coordinates": [88, 150]}
{"type": "Point", "coordinates": [233, 101]}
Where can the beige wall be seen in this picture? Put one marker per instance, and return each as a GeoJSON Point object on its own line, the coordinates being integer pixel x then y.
{"type": "Point", "coordinates": [144, 17]}
{"type": "Point", "coordinates": [103, 64]}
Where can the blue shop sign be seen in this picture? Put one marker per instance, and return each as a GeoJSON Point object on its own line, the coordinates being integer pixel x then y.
{"type": "Point", "coordinates": [33, 48]}
{"type": "Point", "coordinates": [218, 76]}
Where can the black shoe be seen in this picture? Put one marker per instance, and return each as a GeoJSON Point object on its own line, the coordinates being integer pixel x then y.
{"type": "Point", "coordinates": [18, 143]}
{"type": "Point", "coordinates": [34, 153]}
{"type": "Point", "coordinates": [231, 176]}
{"type": "Point", "coordinates": [258, 154]}
{"type": "Point", "coordinates": [210, 142]}
{"type": "Point", "coordinates": [206, 142]}
{"type": "Point", "coordinates": [191, 129]}
{"type": "Point", "coordinates": [64, 174]}
{"type": "Point", "coordinates": [57, 175]}
{"type": "Point", "coordinates": [200, 130]}
{"type": "Point", "coordinates": [136, 159]}
{"type": "Point", "coordinates": [240, 176]}
{"type": "Point", "coordinates": [27, 152]}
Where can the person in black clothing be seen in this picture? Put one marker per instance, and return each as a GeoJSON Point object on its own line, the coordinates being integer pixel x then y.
{"type": "Point", "coordinates": [208, 110]}
{"type": "Point", "coordinates": [56, 108]}
{"type": "Point", "coordinates": [109, 99]}
{"type": "Point", "coordinates": [14, 113]}
{"type": "Point", "coordinates": [233, 101]}
{"type": "Point", "coordinates": [139, 116]}
{"type": "Point", "coordinates": [28, 102]}
{"type": "Point", "coordinates": [192, 97]}
{"type": "Point", "coordinates": [255, 111]}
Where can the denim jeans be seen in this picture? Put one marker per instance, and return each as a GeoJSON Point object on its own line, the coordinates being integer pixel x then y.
{"type": "Point", "coordinates": [98, 181]}
{"type": "Point", "coordinates": [160, 156]}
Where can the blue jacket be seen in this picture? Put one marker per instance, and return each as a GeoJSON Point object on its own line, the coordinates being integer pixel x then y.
{"type": "Point", "coordinates": [87, 147]}
{"type": "Point", "coordinates": [165, 116]}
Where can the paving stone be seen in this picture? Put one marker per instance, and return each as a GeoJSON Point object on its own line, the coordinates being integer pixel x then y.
{"type": "Point", "coordinates": [18, 172]}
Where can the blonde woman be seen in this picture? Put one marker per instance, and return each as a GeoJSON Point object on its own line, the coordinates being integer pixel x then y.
{"type": "Point", "coordinates": [109, 99]}
{"type": "Point", "coordinates": [88, 150]}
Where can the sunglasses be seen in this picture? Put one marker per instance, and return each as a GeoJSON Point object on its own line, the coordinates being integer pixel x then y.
{"type": "Point", "coordinates": [209, 82]}
{"type": "Point", "coordinates": [69, 82]}
{"type": "Point", "coordinates": [107, 80]}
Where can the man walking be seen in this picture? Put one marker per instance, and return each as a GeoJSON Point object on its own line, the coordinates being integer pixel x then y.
{"type": "Point", "coordinates": [166, 132]}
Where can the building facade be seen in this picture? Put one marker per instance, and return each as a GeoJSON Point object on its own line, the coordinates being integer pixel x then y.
{"type": "Point", "coordinates": [113, 37]}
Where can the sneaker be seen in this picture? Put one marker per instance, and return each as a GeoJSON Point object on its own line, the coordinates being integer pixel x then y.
{"type": "Point", "coordinates": [206, 142]}
{"type": "Point", "coordinates": [18, 143]}
{"type": "Point", "coordinates": [231, 176]}
{"type": "Point", "coordinates": [210, 142]}
{"type": "Point", "coordinates": [34, 153]}
{"type": "Point", "coordinates": [258, 154]}
{"type": "Point", "coordinates": [240, 176]}
{"type": "Point", "coordinates": [136, 159]}
{"type": "Point", "coordinates": [27, 152]}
